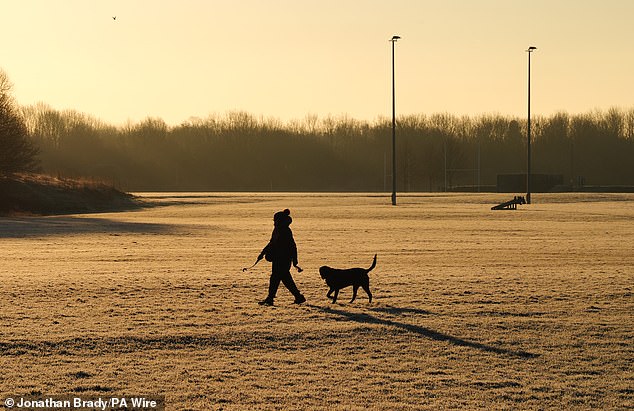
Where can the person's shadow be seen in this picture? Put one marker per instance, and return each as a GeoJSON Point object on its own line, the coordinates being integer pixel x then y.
{"type": "Point", "coordinates": [422, 331]}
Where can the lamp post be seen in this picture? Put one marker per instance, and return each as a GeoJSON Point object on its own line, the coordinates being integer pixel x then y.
{"type": "Point", "coordinates": [393, 41]}
{"type": "Point", "coordinates": [528, 149]}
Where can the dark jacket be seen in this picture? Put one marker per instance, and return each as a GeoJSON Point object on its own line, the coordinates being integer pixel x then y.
{"type": "Point", "coordinates": [281, 248]}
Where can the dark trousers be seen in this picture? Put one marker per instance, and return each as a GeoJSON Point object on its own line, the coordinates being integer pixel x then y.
{"type": "Point", "coordinates": [282, 273]}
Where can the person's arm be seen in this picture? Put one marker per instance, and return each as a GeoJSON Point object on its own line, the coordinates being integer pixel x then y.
{"type": "Point", "coordinates": [264, 251]}
{"type": "Point", "coordinates": [294, 255]}
{"type": "Point", "coordinates": [267, 248]}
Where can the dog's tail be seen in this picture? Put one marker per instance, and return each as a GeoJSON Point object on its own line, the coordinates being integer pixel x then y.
{"type": "Point", "coordinates": [373, 264]}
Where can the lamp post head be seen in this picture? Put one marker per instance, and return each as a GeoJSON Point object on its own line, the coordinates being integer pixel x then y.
{"type": "Point", "coordinates": [394, 38]}
{"type": "Point", "coordinates": [531, 49]}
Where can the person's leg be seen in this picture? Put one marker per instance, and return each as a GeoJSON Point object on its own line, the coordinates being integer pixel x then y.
{"type": "Point", "coordinates": [274, 283]}
{"type": "Point", "coordinates": [289, 283]}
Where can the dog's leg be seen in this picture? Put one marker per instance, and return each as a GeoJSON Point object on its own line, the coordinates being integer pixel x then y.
{"type": "Point", "coordinates": [334, 299]}
{"type": "Point", "coordinates": [329, 295]}
{"type": "Point", "coordinates": [366, 287]}
{"type": "Point", "coordinates": [354, 293]}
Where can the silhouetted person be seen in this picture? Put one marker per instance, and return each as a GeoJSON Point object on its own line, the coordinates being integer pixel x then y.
{"type": "Point", "coordinates": [281, 251]}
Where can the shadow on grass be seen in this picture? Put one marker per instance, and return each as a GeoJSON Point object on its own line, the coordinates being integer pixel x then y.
{"type": "Point", "coordinates": [423, 331]}
{"type": "Point", "coordinates": [12, 227]}
{"type": "Point", "coordinates": [400, 310]}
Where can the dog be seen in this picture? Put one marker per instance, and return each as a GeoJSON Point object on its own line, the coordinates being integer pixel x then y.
{"type": "Point", "coordinates": [337, 279]}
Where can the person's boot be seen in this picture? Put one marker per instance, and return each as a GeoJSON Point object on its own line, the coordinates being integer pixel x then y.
{"type": "Point", "coordinates": [266, 301]}
{"type": "Point", "coordinates": [299, 299]}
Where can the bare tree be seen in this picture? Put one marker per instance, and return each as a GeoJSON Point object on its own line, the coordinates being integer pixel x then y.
{"type": "Point", "coordinates": [17, 152]}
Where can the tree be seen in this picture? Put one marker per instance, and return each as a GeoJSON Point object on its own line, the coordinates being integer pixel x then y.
{"type": "Point", "coordinates": [17, 151]}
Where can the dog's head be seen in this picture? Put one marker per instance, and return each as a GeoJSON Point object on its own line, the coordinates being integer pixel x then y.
{"type": "Point", "coordinates": [325, 271]}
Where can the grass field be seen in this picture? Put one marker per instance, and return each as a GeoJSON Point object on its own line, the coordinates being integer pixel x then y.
{"type": "Point", "coordinates": [473, 308]}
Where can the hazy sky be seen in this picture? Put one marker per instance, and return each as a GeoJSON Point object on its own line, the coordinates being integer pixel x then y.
{"type": "Point", "coordinates": [176, 59]}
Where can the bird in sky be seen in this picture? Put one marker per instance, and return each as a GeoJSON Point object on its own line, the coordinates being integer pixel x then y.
{"type": "Point", "coordinates": [114, 17]}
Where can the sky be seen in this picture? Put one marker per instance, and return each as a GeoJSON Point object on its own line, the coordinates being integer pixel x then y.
{"type": "Point", "coordinates": [287, 59]}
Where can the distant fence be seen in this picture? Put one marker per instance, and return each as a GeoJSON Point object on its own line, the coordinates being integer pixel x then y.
{"type": "Point", "coordinates": [540, 183]}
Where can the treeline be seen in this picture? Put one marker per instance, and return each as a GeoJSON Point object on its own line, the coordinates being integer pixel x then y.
{"type": "Point", "coordinates": [239, 152]}
{"type": "Point", "coordinates": [17, 151]}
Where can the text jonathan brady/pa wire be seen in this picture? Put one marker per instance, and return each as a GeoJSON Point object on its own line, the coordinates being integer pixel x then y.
{"type": "Point", "coordinates": [104, 404]}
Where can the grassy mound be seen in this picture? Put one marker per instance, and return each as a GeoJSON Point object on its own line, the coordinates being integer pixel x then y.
{"type": "Point", "coordinates": [41, 194]}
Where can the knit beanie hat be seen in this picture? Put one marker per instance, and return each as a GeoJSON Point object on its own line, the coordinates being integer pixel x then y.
{"type": "Point", "coordinates": [283, 218]}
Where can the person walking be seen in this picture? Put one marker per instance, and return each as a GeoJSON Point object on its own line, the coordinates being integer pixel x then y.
{"type": "Point", "coordinates": [281, 251]}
